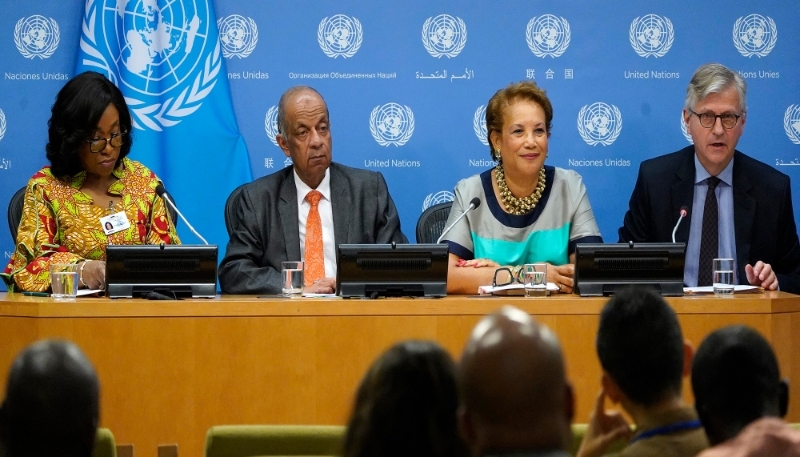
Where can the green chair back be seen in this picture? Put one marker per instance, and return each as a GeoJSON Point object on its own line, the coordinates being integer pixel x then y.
{"type": "Point", "coordinates": [274, 440]}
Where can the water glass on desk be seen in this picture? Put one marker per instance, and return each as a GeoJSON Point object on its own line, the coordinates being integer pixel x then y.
{"type": "Point", "coordinates": [64, 280]}
{"type": "Point", "coordinates": [535, 279]}
{"type": "Point", "coordinates": [292, 275]}
{"type": "Point", "coordinates": [723, 277]}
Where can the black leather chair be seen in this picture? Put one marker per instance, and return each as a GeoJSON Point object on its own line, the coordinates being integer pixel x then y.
{"type": "Point", "coordinates": [15, 212]}
{"type": "Point", "coordinates": [18, 201]}
{"type": "Point", "coordinates": [230, 209]}
{"type": "Point", "coordinates": [431, 222]}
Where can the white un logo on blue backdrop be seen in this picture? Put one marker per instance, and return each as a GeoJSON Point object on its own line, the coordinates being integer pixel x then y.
{"type": "Point", "coordinates": [158, 52]}
{"type": "Point", "coordinates": [791, 123]}
{"type": "Point", "coordinates": [754, 35]}
{"type": "Point", "coordinates": [271, 124]}
{"type": "Point", "coordinates": [238, 35]}
{"type": "Point", "coordinates": [444, 35]}
{"type": "Point", "coordinates": [599, 123]}
{"type": "Point", "coordinates": [651, 35]}
{"type": "Point", "coordinates": [479, 124]}
{"type": "Point", "coordinates": [685, 131]}
{"type": "Point", "coordinates": [443, 196]}
{"type": "Point", "coordinates": [548, 35]}
{"type": "Point", "coordinates": [391, 124]}
{"type": "Point", "coordinates": [339, 35]}
{"type": "Point", "coordinates": [36, 36]}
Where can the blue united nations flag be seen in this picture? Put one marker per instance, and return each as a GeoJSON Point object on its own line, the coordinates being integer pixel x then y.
{"type": "Point", "coordinates": [166, 58]}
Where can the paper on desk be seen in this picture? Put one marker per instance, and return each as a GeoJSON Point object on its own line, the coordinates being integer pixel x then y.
{"type": "Point", "coordinates": [89, 292]}
{"type": "Point", "coordinates": [710, 289]}
{"type": "Point", "coordinates": [511, 289]}
{"type": "Point", "coordinates": [309, 295]}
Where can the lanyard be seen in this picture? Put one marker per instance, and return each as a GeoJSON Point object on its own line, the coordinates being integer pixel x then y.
{"type": "Point", "coordinates": [668, 429]}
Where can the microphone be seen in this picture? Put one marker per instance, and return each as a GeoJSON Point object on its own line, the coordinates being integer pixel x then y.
{"type": "Point", "coordinates": [684, 212]}
{"type": "Point", "coordinates": [474, 203]}
{"type": "Point", "coordinates": [164, 196]}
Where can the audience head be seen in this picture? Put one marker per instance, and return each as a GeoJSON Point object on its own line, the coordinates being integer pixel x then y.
{"type": "Point", "coordinates": [735, 379]}
{"type": "Point", "coordinates": [526, 91]}
{"type": "Point", "coordinates": [304, 133]}
{"type": "Point", "coordinates": [406, 405]}
{"type": "Point", "coordinates": [75, 117]}
{"type": "Point", "coordinates": [641, 348]}
{"type": "Point", "coordinates": [52, 402]}
{"type": "Point", "coordinates": [513, 387]}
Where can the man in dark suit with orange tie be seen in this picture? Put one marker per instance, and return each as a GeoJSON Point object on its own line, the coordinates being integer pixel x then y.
{"type": "Point", "coordinates": [740, 208]}
{"type": "Point", "coordinates": [302, 212]}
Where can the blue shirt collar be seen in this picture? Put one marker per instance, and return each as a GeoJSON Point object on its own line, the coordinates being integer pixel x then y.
{"type": "Point", "coordinates": [701, 174]}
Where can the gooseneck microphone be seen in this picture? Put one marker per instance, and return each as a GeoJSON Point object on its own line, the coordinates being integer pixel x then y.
{"type": "Point", "coordinates": [474, 203]}
{"type": "Point", "coordinates": [161, 192]}
{"type": "Point", "coordinates": [684, 212]}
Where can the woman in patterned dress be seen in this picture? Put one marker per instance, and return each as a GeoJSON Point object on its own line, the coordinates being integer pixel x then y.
{"type": "Point", "coordinates": [89, 178]}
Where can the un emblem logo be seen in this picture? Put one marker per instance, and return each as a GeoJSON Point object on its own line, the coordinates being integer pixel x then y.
{"type": "Point", "coordinates": [548, 35]}
{"type": "Point", "coordinates": [651, 35]}
{"type": "Point", "coordinates": [391, 124]}
{"type": "Point", "coordinates": [339, 35]}
{"type": "Point", "coordinates": [2, 124]}
{"type": "Point", "coordinates": [754, 35]}
{"type": "Point", "coordinates": [444, 35]}
{"type": "Point", "coordinates": [791, 123]}
{"type": "Point", "coordinates": [271, 124]}
{"type": "Point", "coordinates": [36, 36]}
{"type": "Point", "coordinates": [479, 124]}
{"type": "Point", "coordinates": [685, 131]}
{"type": "Point", "coordinates": [443, 196]}
{"type": "Point", "coordinates": [161, 51]}
{"type": "Point", "coordinates": [599, 123]}
{"type": "Point", "coordinates": [238, 35]}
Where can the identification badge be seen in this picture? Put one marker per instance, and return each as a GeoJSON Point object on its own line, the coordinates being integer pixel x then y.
{"type": "Point", "coordinates": [114, 223]}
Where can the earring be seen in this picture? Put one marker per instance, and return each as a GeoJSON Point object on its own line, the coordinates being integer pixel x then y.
{"type": "Point", "coordinates": [497, 156]}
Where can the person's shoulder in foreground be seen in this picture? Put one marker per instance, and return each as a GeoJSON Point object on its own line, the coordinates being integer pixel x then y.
{"type": "Point", "coordinates": [740, 396]}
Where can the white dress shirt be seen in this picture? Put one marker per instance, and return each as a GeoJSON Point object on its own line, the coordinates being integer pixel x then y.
{"type": "Point", "coordinates": [325, 213]}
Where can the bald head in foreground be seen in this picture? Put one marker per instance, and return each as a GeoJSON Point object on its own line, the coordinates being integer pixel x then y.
{"type": "Point", "coordinates": [52, 402]}
{"type": "Point", "coordinates": [514, 393]}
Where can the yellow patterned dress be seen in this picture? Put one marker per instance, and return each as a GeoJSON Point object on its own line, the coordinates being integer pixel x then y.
{"type": "Point", "coordinates": [61, 224]}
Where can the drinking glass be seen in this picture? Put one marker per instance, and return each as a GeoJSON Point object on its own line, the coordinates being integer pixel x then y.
{"type": "Point", "coordinates": [535, 279]}
{"type": "Point", "coordinates": [292, 274]}
{"type": "Point", "coordinates": [723, 277]}
{"type": "Point", "coordinates": [64, 280]}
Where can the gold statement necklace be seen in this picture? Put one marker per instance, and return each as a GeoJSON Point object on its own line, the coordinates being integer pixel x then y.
{"type": "Point", "coordinates": [514, 205]}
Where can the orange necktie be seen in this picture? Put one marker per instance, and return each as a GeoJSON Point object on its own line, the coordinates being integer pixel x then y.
{"type": "Point", "coordinates": [315, 258]}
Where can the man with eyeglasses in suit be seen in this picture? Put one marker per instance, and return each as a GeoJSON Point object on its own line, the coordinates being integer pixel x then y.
{"type": "Point", "coordinates": [739, 207]}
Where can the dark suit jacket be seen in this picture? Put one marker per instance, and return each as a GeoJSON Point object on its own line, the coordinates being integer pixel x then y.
{"type": "Point", "coordinates": [762, 211]}
{"type": "Point", "coordinates": [265, 230]}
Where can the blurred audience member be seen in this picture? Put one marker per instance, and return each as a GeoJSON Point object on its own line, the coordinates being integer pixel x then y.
{"type": "Point", "coordinates": [52, 403]}
{"type": "Point", "coordinates": [515, 398]}
{"type": "Point", "coordinates": [740, 397]}
{"type": "Point", "coordinates": [643, 357]}
{"type": "Point", "coordinates": [406, 405]}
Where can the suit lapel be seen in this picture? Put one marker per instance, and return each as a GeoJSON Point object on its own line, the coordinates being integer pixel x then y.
{"type": "Point", "coordinates": [341, 205]}
{"type": "Point", "coordinates": [682, 193]}
{"type": "Point", "coordinates": [288, 214]}
{"type": "Point", "coordinates": [744, 210]}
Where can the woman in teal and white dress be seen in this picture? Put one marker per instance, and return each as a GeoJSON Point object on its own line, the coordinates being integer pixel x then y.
{"type": "Point", "coordinates": [529, 212]}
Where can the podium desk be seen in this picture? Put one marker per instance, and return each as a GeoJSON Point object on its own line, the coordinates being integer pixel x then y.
{"type": "Point", "coordinates": [171, 369]}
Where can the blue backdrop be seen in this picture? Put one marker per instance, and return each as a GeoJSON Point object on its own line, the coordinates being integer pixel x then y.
{"type": "Point", "coordinates": [405, 82]}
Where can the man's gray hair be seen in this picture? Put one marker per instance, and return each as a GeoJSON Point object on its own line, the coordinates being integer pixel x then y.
{"type": "Point", "coordinates": [713, 78]}
{"type": "Point", "coordinates": [282, 105]}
